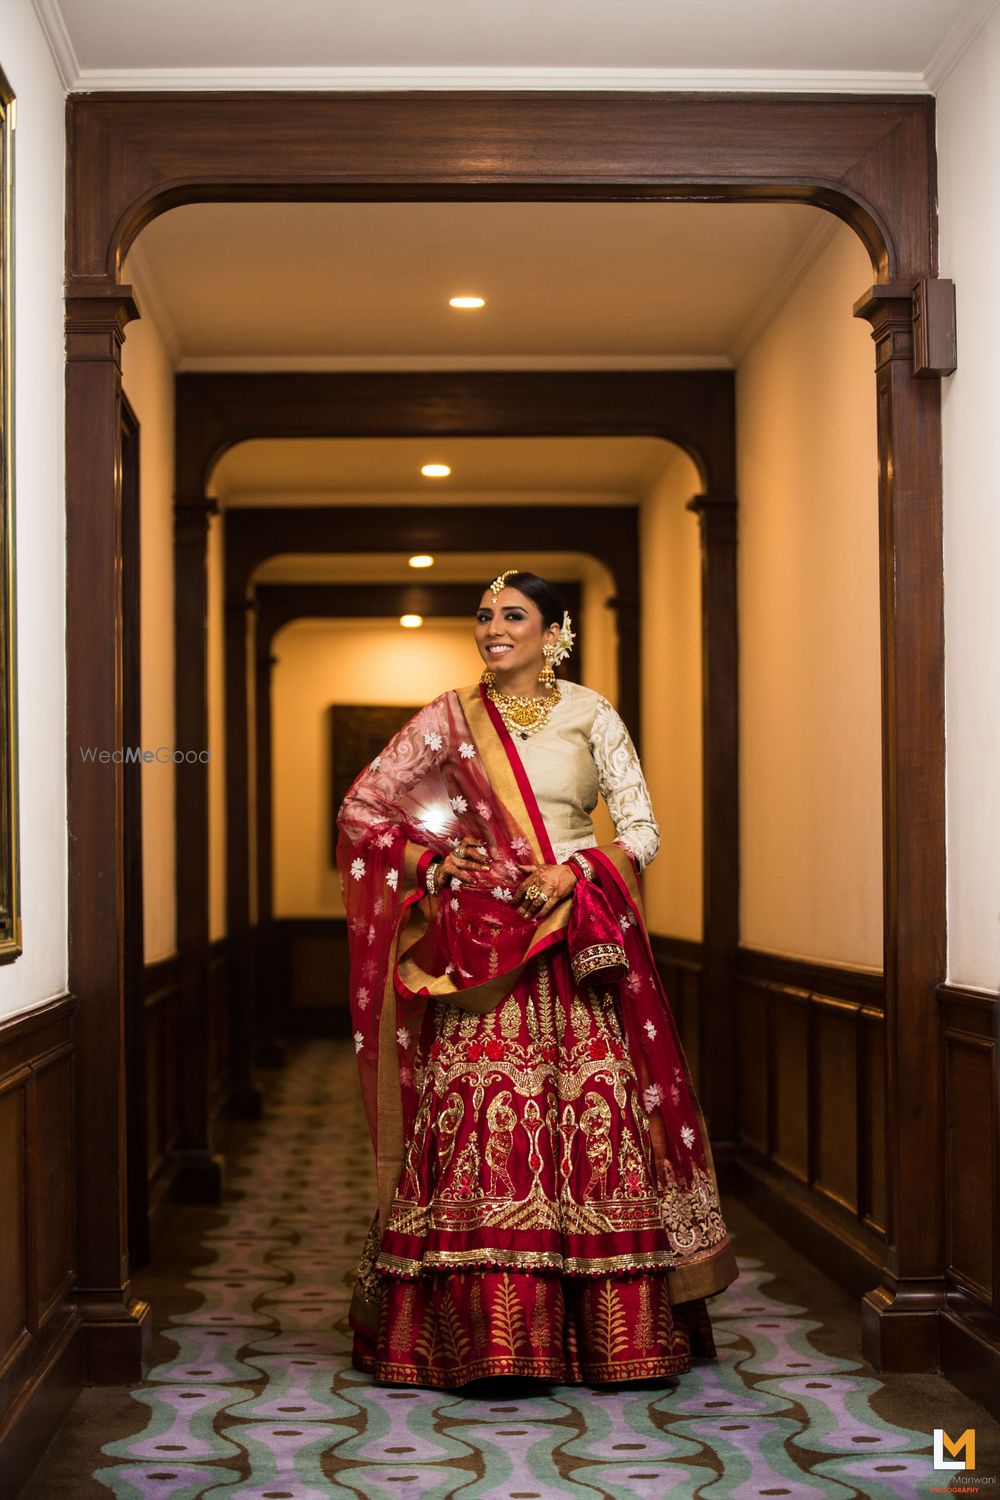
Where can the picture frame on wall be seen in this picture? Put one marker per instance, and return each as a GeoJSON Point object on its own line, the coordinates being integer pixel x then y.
{"type": "Point", "coordinates": [357, 733]}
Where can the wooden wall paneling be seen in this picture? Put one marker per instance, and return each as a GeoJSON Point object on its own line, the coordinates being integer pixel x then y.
{"type": "Point", "coordinates": [871, 1131]}
{"type": "Point", "coordinates": [315, 966]}
{"type": "Point", "coordinates": [41, 1343]}
{"type": "Point", "coordinates": [679, 961]}
{"type": "Point", "coordinates": [753, 1067]}
{"type": "Point", "coordinates": [14, 1250]}
{"type": "Point", "coordinates": [869, 160]}
{"type": "Point", "coordinates": [970, 1160]}
{"type": "Point", "coordinates": [53, 1199]}
{"type": "Point", "coordinates": [808, 1059]}
{"type": "Point", "coordinates": [834, 1091]}
{"type": "Point", "coordinates": [970, 1329]}
{"type": "Point", "coordinates": [792, 1109]}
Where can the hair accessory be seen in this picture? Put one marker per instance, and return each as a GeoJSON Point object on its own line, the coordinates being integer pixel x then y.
{"type": "Point", "coordinates": [497, 585]}
{"type": "Point", "coordinates": [564, 641]}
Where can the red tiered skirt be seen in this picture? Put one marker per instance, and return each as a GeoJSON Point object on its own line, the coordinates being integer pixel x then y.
{"type": "Point", "coordinates": [527, 1235]}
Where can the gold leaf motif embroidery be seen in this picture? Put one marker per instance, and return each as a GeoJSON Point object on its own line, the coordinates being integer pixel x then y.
{"type": "Point", "coordinates": [611, 1329]}
{"type": "Point", "coordinates": [644, 1322]}
{"type": "Point", "coordinates": [401, 1333]}
{"type": "Point", "coordinates": [507, 1321]}
{"type": "Point", "coordinates": [478, 1321]}
{"type": "Point", "coordinates": [456, 1341]}
{"type": "Point", "coordinates": [540, 1316]}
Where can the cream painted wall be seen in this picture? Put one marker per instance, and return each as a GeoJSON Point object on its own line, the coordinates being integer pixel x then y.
{"type": "Point", "coordinates": [217, 915]}
{"type": "Point", "coordinates": [40, 526]}
{"type": "Point", "coordinates": [810, 738]}
{"type": "Point", "coordinates": [671, 696]}
{"type": "Point", "coordinates": [969, 178]}
{"type": "Point", "coordinates": [147, 378]}
{"type": "Point", "coordinates": [340, 661]}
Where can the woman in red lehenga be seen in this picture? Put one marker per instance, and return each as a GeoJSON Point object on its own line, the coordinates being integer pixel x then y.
{"type": "Point", "coordinates": [547, 1200]}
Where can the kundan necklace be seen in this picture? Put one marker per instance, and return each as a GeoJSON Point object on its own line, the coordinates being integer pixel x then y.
{"type": "Point", "coordinates": [522, 716]}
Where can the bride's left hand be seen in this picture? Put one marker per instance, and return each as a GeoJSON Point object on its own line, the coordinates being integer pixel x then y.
{"type": "Point", "coordinates": [553, 882]}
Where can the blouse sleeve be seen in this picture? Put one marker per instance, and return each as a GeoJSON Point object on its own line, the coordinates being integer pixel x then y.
{"type": "Point", "coordinates": [623, 786]}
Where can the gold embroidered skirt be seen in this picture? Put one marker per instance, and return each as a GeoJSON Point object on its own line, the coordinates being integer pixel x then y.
{"type": "Point", "coordinates": [528, 1234]}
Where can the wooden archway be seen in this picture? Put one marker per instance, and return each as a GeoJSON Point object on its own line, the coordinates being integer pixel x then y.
{"type": "Point", "coordinates": [870, 161]}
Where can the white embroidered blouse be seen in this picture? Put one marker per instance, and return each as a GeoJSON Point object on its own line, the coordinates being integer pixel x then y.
{"type": "Point", "coordinates": [584, 749]}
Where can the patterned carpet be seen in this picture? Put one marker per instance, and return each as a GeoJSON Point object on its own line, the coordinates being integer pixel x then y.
{"type": "Point", "coordinates": [251, 1395]}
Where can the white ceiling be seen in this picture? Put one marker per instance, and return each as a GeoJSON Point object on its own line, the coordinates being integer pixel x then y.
{"type": "Point", "coordinates": [98, 38]}
{"type": "Point", "coordinates": [358, 284]}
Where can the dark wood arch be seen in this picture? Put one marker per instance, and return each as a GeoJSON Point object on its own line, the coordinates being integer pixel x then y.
{"type": "Point", "coordinates": [869, 160]}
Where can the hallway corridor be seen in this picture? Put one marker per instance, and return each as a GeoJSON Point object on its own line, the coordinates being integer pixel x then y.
{"type": "Point", "coordinates": [250, 1393]}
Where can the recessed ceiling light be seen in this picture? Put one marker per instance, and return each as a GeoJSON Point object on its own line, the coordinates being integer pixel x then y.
{"type": "Point", "coordinates": [435, 471]}
{"type": "Point", "coordinates": [422, 560]}
{"type": "Point", "coordinates": [466, 301]}
{"type": "Point", "coordinates": [411, 622]}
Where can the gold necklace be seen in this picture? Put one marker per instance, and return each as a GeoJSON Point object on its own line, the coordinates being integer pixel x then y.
{"type": "Point", "coordinates": [522, 716]}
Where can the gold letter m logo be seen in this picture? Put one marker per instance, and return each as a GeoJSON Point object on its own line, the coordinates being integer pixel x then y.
{"type": "Point", "coordinates": [943, 1441]}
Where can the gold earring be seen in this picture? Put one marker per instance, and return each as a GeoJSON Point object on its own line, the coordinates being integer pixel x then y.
{"type": "Point", "coordinates": [546, 676]}
{"type": "Point", "coordinates": [487, 679]}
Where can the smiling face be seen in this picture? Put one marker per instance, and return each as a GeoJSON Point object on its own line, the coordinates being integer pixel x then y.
{"type": "Point", "coordinates": [510, 632]}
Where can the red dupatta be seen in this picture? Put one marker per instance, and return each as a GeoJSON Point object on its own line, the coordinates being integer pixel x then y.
{"type": "Point", "coordinates": [451, 772]}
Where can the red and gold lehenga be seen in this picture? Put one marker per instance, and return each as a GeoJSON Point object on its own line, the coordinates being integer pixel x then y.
{"type": "Point", "coordinates": [547, 1200]}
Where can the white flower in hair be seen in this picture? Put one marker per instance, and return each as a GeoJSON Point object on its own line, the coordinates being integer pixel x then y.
{"type": "Point", "coordinates": [564, 640]}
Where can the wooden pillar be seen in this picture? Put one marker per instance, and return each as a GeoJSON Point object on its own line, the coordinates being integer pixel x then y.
{"type": "Point", "coordinates": [721, 824]}
{"type": "Point", "coordinates": [270, 1052]}
{"type": "Point", "coordinates": [199, 1176]}
{"type": "Point", "coordinates": [900, 1317]}
{"type": "Point", "coordinates": [244, 1097]}
{"type": "Point", "coordinates": [116, 1324]}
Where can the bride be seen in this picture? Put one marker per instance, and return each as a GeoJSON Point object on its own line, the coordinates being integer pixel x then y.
{"type": "Point", "coordinates": [547, 1200]}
